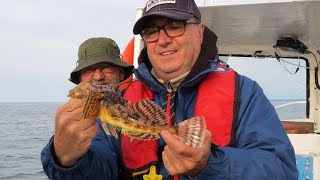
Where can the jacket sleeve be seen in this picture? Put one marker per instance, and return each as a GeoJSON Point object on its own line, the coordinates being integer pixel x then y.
{"type": "Point", "coordinates": [262, 149]}
{"type": "Point", "coordinates": [100, 162]}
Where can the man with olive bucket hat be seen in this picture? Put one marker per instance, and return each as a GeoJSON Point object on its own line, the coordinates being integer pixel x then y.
{"type": "Point", "coordinates": [77, 143]}
{"type": "Point", "coordinates": [99, 50]}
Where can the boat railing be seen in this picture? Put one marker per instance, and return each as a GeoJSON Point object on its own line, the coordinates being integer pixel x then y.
{"type": "Point", "coordinates": [289, 103]}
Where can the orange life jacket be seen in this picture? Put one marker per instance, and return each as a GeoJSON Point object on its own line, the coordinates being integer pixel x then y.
{"type": "Point", "coordinates": [217, 101]}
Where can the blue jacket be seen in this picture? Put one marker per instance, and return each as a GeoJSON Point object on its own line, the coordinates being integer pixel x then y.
{"type": "Point", "coordinates": [262, 149]}
{"type": "Point", "coordinates": [100, 162]}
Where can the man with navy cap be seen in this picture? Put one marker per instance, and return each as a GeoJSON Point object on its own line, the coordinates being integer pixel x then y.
{"type": "Point", "coordinates": [245, 138]}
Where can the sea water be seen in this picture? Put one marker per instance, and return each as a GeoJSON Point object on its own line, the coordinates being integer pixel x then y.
{"type": "Point", "coordinates": [25, 129]}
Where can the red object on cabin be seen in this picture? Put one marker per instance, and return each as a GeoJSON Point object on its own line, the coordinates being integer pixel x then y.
{"type": "Point", "coordinates": [127, 56]}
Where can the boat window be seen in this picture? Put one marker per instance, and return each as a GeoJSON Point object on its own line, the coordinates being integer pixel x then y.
{"type": "Point", "coordinates": [284, 82]}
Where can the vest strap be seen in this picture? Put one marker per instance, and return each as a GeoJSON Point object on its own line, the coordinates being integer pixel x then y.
{"type": "Point", "coordinates": [138, 155]}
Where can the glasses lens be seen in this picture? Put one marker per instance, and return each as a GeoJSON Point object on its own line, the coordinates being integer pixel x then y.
{"type": "Point", "coordinates": [103, 68]}
{"type": "Point", "coordinates": [150, 34]}
{"type": "Point", "coordinates": [172, 29]}
{"type": "Point", "coordinates": [107, 69]}
{"type": "Point", "coordinates": [175, 28]}
{"type": "Point", "coordinates": [87, 71]}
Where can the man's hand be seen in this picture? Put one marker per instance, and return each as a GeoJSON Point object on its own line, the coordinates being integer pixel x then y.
{"type": "Point", "coordinates": [181, 159]}
{"type": "Point", "coordinates": [73, 136]}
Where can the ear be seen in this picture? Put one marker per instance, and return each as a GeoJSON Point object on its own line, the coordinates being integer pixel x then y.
{"type": "Point", "coordinates": [201, 31]}
{"type": "Point", "coordinates": [121, 74]}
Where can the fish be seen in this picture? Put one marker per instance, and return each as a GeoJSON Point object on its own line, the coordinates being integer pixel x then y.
{"type": "Point", "coordinates": [143, 119]}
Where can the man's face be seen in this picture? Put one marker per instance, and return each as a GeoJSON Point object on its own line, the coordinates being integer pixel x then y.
{"type": "Point", "coordinates": [102, 73]}
{"type": "Point", "coordinates": [174, 56]}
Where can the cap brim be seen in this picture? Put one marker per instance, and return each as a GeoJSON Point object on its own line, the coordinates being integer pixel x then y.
{"type": "Point", "coordinates": [74, 76]}
{"type": "Point", "coordinates": [172, 14]}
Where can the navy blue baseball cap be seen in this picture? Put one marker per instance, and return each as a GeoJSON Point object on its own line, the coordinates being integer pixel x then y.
{"type": "Point", "coordinates": [173, 9]}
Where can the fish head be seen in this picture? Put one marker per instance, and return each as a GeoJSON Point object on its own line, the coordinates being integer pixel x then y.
{"type": "Point", "coordinates": [83, 89]}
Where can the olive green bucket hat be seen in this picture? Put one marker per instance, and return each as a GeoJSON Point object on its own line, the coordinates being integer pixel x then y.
{"type": "Point", "coordinates": [97, 50]}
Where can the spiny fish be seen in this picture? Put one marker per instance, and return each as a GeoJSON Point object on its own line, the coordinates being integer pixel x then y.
{"type": "Point", "coordinates": [142, 120]}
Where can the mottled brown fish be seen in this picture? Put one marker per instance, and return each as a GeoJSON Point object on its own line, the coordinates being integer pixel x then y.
{"type": "Point", "coordinates": [142, 120]}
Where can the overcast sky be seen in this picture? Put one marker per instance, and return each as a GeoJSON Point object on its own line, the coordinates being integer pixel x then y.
{"type": "Point", "coordinates": [40, 40]}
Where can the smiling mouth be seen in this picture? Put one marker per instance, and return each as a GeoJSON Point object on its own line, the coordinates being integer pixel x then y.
{"type": "Point", "coordinates": [168, 53]}
{"type": "Point", "coordinates": [105, 82]}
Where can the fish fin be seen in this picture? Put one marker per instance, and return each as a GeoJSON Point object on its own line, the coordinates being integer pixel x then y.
{"type": "Point", "coordinates": [110, 130]}
{"type": "Point", "coordinates": [113, 131]}
{"type": "Point", "coordinates": [131, 139]}
{"type": "Point", "coordinates": [91, 105]}
{"type": "Point", "coordinates": [150, 111]}
{"type": "Point", "coordinates": [140, 135]}
{"type": "Point", "coordinates": [105, 128]}
{"type": "Point", "coordinates": [192, 131]}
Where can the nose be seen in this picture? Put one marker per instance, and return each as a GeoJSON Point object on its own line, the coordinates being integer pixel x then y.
{"type": "Point", "coordinates": [163, 38]}
{"type": "Point", "coordinates": [98, 75]}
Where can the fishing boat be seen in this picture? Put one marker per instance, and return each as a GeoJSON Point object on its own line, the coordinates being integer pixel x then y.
{"type": "Point", "coordinates": [282, 38]}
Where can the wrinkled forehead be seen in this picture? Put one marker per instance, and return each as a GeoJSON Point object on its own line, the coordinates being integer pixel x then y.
{"type": "Point", "coordinates": [157, 20]}
{"type": "Point", "coordinates": [102, 64]}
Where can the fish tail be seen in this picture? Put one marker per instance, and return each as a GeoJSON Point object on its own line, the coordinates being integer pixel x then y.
{"type": "Point", "coordinates": [192, 131]}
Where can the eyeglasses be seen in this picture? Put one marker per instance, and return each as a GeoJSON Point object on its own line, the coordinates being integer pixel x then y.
{"type": "Point", "coordinates": [104, 69]}
{"type": "Point", "coordinates": [172, 29]}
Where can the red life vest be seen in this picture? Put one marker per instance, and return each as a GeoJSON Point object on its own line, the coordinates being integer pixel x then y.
{"type": "Point", "coordinates": [216, 100]}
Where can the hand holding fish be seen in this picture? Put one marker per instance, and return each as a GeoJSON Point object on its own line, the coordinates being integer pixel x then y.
{"type": "Point", "coordinates": [143, 120]}
{"type": "Point", "coordinates": [73, 135]}
{"type": "Point", "coordinates": [181, 159]}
